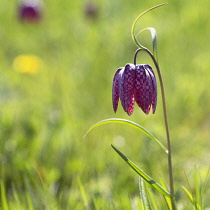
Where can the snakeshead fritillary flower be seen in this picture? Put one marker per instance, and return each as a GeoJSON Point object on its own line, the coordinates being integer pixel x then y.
{"type": "Point", "coordinates": [135, 83]}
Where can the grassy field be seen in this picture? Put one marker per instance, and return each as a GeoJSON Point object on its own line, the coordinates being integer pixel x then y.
{"type": "Point", "coordinates": [45, 163]}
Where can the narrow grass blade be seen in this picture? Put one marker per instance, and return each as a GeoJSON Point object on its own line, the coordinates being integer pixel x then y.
{"type": "Point", "coordinates": [205, 182]}
{"type": "Point", "coordinates": [132, 124]}
{"type": "Point", "coordinates": [198, 187]}
{"type": "Point", "coordinates": [189, 195]}
{"type": "Point", "coordinates": [143, 194]}
{"type": "Point", "coordinates": [4, 197]}
{"type": "Point", "coordinates": [152, 200]}
{"type": "Point", "coordinates": [29, 195]}
{"type": "Point", "coordinates": [83, 193]}
{"type": "Point", "coordinates": [168, 200]}
{"type": "Point", "coordinates": [143, 174]}
{"type": "Point", "coordinates": [15, 195]}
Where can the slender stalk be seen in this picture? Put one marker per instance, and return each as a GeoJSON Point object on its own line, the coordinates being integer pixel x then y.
{"type": "Point", "coordinates": [154, 58]}
{"type": "Point", "coordinates": [170, 169]}
{"type": "Point", "coordinates": [135, 21]}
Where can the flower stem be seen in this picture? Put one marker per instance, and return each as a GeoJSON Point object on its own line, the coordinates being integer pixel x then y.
{"type": "Point", "coordinates": [170, 169]}
{"type": "Point", "coordinates": [135, 21]}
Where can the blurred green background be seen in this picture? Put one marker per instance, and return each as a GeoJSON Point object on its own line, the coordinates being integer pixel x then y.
{"type": "Point", "coordinates": [44, 161]}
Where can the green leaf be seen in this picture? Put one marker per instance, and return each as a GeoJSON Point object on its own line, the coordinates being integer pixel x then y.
{"type": "Point", "coordinates": [154, 39]}
{"type": "Point", "coordinates": [143, 174]}
{"type": "Point", "coordinates": [132, 124]}
{"type": "Point", "coordinates": [136, 20]}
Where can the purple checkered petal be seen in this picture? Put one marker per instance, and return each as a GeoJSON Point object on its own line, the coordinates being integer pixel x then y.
{"type": "Point", "coordinates": [143, 89]}
{"type": "Point", "coordinates": [154, 87]}
{"type": "Point", "coordinates": [131, 107]}
{"type": "Point", "coordinates": [126, 88]}
{"type": "Point", "coordinates": [138, 90]}
{"type": "Point", "coordinates": [148, 92]}
{"type": "Point", "coordinates": [115, 89]}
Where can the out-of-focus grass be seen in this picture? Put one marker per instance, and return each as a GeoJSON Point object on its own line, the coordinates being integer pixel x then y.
{"type": "Point", "coordinates": [43, 117]}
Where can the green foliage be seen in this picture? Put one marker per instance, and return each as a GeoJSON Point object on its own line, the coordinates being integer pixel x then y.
{"type": "Point", "coordinates": [132, 124]}
{"type": "Point", "coordinates": [143, 195]}
{"type": "Point", "coordinates": [152, 31]}
{"type": "Point", "coordinates": [4, 197]}
{"type": "Point", "coordinates": [196, 197]}
{"type": "Point", "coordinates": [147, 196]}
{"type": "Point", "coordinates": [143, 174]}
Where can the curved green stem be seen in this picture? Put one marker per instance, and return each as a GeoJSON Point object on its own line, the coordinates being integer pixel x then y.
{"type": "Point", "coordinates": [135, 21]}
{"type": "Point", "coordinates": [170, 169]}
{"type": "Point", "coordinates": [154, 40]}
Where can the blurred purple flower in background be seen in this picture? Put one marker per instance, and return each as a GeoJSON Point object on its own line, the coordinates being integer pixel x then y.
{"type": "Point", "coordinates": [91, 10]}
{"type": "Point", "coordinates": [30, 10]}
{"type": "Point", "coordinates": [135, 83]}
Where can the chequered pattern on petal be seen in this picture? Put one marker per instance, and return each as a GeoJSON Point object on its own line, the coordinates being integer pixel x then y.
{"type": "Point", "coordinates": [131, 107]}
{"type": "Point", "coordinates": [144, 90]}
{"type": "Point", "coordinates": [135, 83]}
{"type": "Point", "coordinates": [140, 87]}
{"type": "Point", "coordinates": [126, 88]}
{"type": "Point", "coordinates": [154, 87]}
{"type": "Point", "coordinates": [115, 89]}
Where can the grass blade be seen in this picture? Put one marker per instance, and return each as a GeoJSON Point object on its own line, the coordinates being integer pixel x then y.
{"type": "Point", "coordinates": [198, 190]}
{"type": "Point", "coordinates": [168, 200]}
{"type": "Point", "coordinates": [205, 182]}
{"type": "Point", "coordinates": [83, 193]}
{"type": "Point", "coordinates": [29, 195]}
{"type": "Point", "coordinates": [4, 197]}
{"type": "Point", "coordinates": [132, 124]}
{"type": "Point", "coordinates": [143, 194]}
{"type": "Point", "coordinates": [189, 195]}
{"type": "Point", "coordinates": [152, 200]}
{"type": "Point", "coordinates": [143, 174]}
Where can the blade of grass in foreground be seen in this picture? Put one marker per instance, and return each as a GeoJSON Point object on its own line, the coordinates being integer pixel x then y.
{"type": "Point", "coordinates": [29, 195]}
{"type": "Point", "coordinates": [198, 187]}
{"type": "Point", "coordinates": [4, 197]}
{"type": "Point", "coordinates": [132, 124]}
{"type": "Point", "coordinates": [189, 195]}
{"type": "Point", "coordinates": [143, 194]}
{"type": "Point", "coordinates": [152, 199]}
{"type": "Point", "coordinates": [83, 193]}
{"type": "Point", "coordinates": [168, 200]}
{"type": "Point", "coordinates": [143, 174]}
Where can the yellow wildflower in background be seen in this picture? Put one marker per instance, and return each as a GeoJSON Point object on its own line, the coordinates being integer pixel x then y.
{"type": "Point", "coordinates": [27, 64]}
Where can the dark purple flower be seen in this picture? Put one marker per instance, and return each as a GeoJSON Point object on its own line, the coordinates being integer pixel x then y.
{"type": "Point", "coordinates": [135, 83]}
{"type": "Point", "coordinates": [30, 10]}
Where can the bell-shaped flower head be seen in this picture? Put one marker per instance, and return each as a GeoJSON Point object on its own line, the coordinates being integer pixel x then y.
{"type": "Point", "coordinates": [135, 83]}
